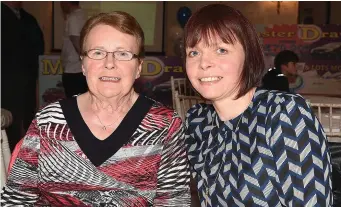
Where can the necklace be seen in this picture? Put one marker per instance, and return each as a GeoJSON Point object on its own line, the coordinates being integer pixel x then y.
{"type": "Point", "coordinates": [207, 190]}
{"type": "Point", "coordinates": [104, 127]}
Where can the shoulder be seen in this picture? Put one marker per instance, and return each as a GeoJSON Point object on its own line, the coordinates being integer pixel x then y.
{"type": "Point", "coordinates": [276, 102]}
{"type": "Point", "coordinates": [274, 97]}
{"type": "Point", "coordinates": [50, 113]}
{"type": "Point", "coordinates": [198, 113]}
{"type": "Point", "coordinates": [77, 15]}
{"type": "Point", "coordinates": [158, 109]}
{"type": "Point", "coordinates": [26, 14]}
{"type": "Point", "coordinates": [199, 110]}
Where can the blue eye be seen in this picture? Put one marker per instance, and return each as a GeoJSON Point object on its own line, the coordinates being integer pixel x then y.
{"type": "Point", "coordinates": [222, 51]}
{"type": "Point", "coordinates": [193, 53]}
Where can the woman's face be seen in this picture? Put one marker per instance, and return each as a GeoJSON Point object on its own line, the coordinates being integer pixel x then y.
{"type": "Point", "coordinates": [110, 77]}
{"type": "Point", "coordinates": [215, 70]}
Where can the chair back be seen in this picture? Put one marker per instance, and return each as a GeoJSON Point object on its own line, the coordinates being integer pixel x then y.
{"type": "Point", "coordinates": [184, 103]}
{"type": "Point", "coordinates": [329, 115]}
{"type": "Point", "coordinates": [183, 86]}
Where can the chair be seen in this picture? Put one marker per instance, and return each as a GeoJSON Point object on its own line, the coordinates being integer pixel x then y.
{"type": "Point", "coordinates": [183, 86]}
{"type": "Point", "coordinates": [184, 103]}
{"type": "Point", "coordinates": [6, 120]}
{"type": "Point", "coordinates": [329, 114]}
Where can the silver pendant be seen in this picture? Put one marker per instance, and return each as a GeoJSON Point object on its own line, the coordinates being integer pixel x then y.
{"type": "Point", "coordinates": [104, 128]}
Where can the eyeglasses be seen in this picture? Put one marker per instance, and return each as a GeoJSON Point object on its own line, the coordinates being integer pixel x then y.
{"type": "Point", "coordinates": [97, 54]}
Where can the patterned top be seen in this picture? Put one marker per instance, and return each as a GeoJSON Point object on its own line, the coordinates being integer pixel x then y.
{"type": "Point", "coordinates": [54, 168]}
{"type": "Point", "coordinates": [274, 154]}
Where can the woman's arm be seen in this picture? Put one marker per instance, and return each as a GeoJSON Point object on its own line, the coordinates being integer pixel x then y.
{"type": "Point", "coordinates": [300, 150]}
{"type": "Point", "coordinates": [21, 187]}
{"type": "Point", "coordinates": [173, 187]}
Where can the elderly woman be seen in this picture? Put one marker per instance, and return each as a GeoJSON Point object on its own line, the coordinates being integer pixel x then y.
{"type": "Point", "coordinates": [109, 146]}
{"type": "Point", "coordinates": [251, 147]}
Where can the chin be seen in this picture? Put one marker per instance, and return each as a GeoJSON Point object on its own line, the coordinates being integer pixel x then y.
{"type": "Point", "coordinates": [209, 95]}
{"type": "Point", "coordinates": [109, 93]}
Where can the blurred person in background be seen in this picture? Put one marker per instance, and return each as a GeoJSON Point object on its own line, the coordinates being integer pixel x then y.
{"type": "Point", "coordinates": [74, 82]}
{"type": "Point", "coordinates": [22, 42]}
{"type": "Point", "coordinates": [285, 71]}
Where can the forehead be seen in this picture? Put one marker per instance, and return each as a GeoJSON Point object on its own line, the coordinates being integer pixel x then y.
{"type": "Point", "coordinates": [108, 37]}
{"type": "Point", "coordinates": [210, 38]}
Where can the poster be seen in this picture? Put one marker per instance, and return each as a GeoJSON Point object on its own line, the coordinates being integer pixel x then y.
{"type": "Point", "coordinates": [319, 50]}
{"type": "Point", "coordinates": [154, 81]}
{"type": "Point", "coordinates": [50, 79]}
{"type": "Point", "coordinates": [319, 69]}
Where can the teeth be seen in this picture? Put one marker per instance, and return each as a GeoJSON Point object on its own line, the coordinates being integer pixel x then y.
{"type": "Point", "coordinates": [208, 79]}
{"type": "Point", "coordinates": [109, 78]}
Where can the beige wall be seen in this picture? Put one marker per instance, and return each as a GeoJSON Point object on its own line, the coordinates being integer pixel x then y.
{"type": "Point", "coordinates": [258, 13]}
{"type": "Point", "coordinates": [42, 11]}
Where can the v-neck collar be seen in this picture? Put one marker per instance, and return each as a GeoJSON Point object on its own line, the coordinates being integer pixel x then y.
{"type": "Point", "coordinates": [96, 150]}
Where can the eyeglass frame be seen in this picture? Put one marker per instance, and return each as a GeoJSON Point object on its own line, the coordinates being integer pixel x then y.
{"type": "Point", "coordinates": [85, 53]}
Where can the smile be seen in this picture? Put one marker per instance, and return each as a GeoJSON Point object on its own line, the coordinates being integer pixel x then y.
{"type": "Point", "coordinates": [109, 78]}
{"type": "Point", "coordinates": [210, 79]}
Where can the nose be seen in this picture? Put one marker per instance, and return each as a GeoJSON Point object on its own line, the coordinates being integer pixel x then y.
{"type": "Point", "coordinates": [205, 62]}
{"type": "Point", "coordinates": [110, 61]}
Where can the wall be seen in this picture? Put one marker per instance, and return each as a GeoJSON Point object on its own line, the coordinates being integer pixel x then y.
{"type": "Point", "coordinates": [42, 11]}
{"type": "Point", "coordinates": [335, 14]}
{"type": "Point", "coordinates": [258, 12]}
{"type": "Point", "coordinates": [319, 10]}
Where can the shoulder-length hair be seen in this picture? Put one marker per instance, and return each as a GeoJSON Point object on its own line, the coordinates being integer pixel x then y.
{"type": "Point", "coordinates": [231, 26]}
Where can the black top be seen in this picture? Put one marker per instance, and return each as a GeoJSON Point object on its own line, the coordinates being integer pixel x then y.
{"type": "Point", "coordinates": [275, 80]}
{"type": "Point", "coordinates": [20, 39]}
{"type": "Point", "coordinates": [98, 151]}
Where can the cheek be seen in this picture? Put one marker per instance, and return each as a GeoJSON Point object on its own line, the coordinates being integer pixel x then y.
{"type": "Point", "coordinates": [90, 67]}
{"type": "Point", "coordinates": [190, 68]}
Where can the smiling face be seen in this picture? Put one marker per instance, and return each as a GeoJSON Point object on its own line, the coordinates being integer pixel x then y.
{"type": "Point", "coordinates": [214, 69]}
{"type": "Point", "coordinates": [110, 77]}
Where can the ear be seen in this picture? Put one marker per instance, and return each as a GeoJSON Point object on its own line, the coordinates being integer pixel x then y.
{"type": "Point", "coordinates": [139, 69]}
{"type": "Point", "coordinates": [83, 69]}
{"type": "Point", "coordinates": [284, 67]}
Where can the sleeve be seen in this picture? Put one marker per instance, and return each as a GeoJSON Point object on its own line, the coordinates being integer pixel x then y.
{"type": "Point", "coordinates": [189, 141]}
{"type": "Point", "coordinates": [300, 149]}
{"type": "Point", "coordinates": [173, 187]}
{"type": "Point", "coordinates": [21, 187]}
{"type": "Point", "coordinates": [75, 24]}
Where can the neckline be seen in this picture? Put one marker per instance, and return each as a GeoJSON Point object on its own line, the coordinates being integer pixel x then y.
{"type": "Point", "coordinates": [96, 150]}
{"type": "Point", "coordinates": [118, 130]}
{"type": "Point", "coordinates": [218, 122]}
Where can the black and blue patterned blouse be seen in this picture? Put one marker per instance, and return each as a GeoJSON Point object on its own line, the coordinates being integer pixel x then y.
{"type": "Point", "coordinates": [274, 154]}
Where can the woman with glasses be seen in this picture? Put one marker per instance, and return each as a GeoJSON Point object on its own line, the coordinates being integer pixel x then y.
{"type": "Point", "coordinates": [109, 146]}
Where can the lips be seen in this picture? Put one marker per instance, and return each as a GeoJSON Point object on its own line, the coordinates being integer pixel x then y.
{"type": "Point", "coordinates": [111, 79]}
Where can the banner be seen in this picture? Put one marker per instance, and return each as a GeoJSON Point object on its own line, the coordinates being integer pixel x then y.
{"type": "Point", "coordinates": [50, 79]}
{"type": "Point", "coordinates": [319, 50]}
{"type": "Point", "coordinates": [319, 68]}
{"type": "Point", "coordinates": [154, 81]}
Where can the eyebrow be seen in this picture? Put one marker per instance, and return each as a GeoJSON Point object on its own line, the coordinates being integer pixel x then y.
{"type": "Point", "coordinates": [116, 49]}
